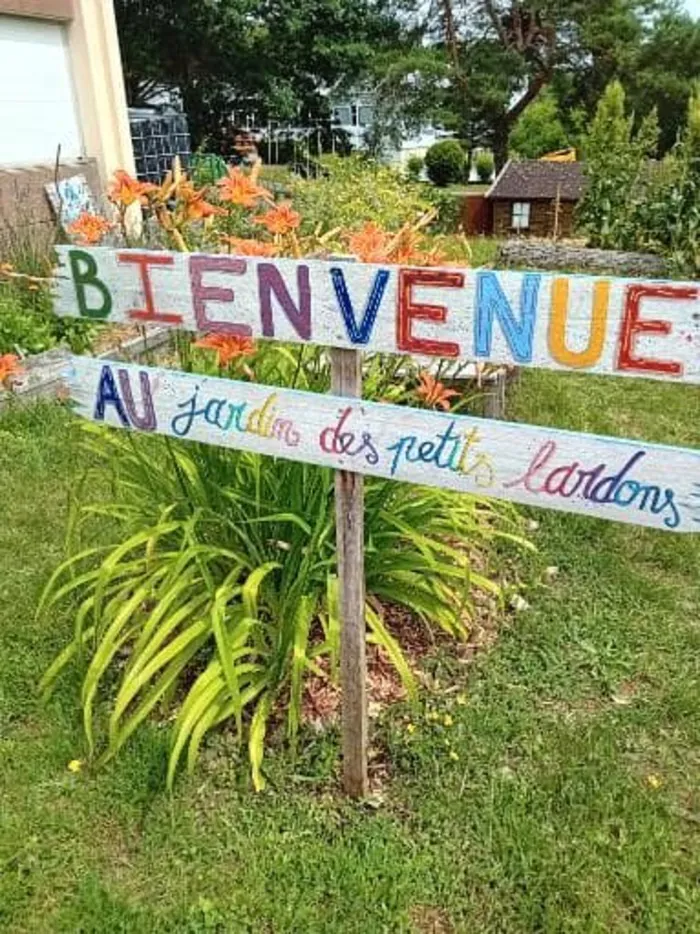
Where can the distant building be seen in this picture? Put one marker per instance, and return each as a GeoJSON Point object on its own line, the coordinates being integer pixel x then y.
{"type": "Point", "coordinates": [354, 113]}
{"type": "Point", "coordinates": [536, 198]}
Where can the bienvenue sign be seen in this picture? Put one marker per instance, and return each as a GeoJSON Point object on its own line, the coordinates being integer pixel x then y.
{"type": "Point", "coordinates": [576, 323]}
{"type": "Point", "coordinates": [627, 481]}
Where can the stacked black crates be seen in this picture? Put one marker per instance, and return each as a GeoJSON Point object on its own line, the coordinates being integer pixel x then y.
{"type": "Point", "coordinates": [157, 139]}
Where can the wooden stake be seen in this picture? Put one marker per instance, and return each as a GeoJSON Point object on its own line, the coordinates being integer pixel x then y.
{"type": "Point", "coordinates": [346, 379]}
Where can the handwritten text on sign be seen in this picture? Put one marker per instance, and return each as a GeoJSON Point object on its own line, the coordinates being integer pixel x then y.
{"type": "Point", "coordinates": [626, 481]}
{"type": "Point", "coordinates": [613, 326]}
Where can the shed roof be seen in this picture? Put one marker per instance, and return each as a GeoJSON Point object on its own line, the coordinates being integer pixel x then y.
{"type": "Point", "coordinates": [534, 180]}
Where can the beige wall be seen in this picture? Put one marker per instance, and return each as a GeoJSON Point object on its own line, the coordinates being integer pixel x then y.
{"type": "Point", "coordinates": [97, 75]}
{"type": "Point", "coordinates": [97, 71]}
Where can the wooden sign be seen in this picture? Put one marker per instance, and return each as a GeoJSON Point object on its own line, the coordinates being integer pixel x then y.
{"type": "Point", "coordinates": [530, 319]}
{"type": "Point", "coordinates": [626, 481]}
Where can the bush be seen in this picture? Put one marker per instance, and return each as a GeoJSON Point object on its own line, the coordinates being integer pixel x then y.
{"type": "Point", "coordinates": [218, 596]}
{"type": "Point", "coordinates": [616, 163]}
{"type": "Point", "coordinates": [414, 168]}
{"type": "Point", "coordinates": [27, 321]}
{"type": "Point", "coordinates": [445, 163]}
{"type": "Point", "coordinates": [485, 166]}
{"type": "Point", "coordinates": [28, 325]}
{"type": "Point", "coordinates": [355, 191]}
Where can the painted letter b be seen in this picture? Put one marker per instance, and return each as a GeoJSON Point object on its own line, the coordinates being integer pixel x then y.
{"type": "Point", "coordinates": [84, 272]}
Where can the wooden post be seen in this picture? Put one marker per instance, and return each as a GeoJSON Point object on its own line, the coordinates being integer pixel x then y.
{"type": "Point", "coordinates": [495, 397]}
{"type": "Point", "coordinates": [346, 380]}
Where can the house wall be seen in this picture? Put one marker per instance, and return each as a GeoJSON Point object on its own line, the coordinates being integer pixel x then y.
{"type": "Point", "coordinates": [542, 219]}
{"type": "Point", "coordinates": [90, 32]}
{"type": "Point", "coordinates": [477, 215]}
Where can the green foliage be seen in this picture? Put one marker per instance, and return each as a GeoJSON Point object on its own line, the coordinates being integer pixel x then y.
{"type": "Point", "coordinates": [485, 166]}
{"type": "Point", "coordinates": [666, 218]}
{"type": "Point", "coordinates": [414, 168]}
{"type": "Point", "coordinates": [663, 75]}
{"type": "Point", "coordinates": [206, 169]}
{"type": "Point", "coordinates": [633, 203]}
{"type": "Point", "coordinates": [355, 190]}
{"type": "Point", "coordinates": [218, 596]}
{"type": "Point", "coordinates": [28, 325]}
{"type": "Point", "coordinates": [235, 54]}
{"type": "Point", "coordinates": [445, 163]}
{"type": "Point", "coordinates": [22, 327]}
{"type": "Point", "coordinates": [539, 130]}
{"type": "Point", "coordinates": [616, 158]}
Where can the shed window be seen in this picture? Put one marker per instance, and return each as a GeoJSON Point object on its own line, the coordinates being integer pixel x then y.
{"type": "Point", "coordinates": [521, 215]}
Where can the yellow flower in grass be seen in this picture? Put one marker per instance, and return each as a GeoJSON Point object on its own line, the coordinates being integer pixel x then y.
{"type": "Point", "coordinates": [411, 728]}
{"type": "Point", "coordinates": [447, 720]}
{"type": "Point", "coordinates": [653, 781]}
{"type": "Point", "coordinates": [454, 756]}
{"type": "Point", "coordinates": [75, 765]}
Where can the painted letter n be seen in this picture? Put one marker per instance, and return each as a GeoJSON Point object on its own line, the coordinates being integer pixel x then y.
{"type": "Point", "coordinates": [491, 302]}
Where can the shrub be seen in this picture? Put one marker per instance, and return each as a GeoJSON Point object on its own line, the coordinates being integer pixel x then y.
{"type": "Point", "coordinates": [355, 190]}
{"type": "Point", "coordinates": [616, 164]}
{"type": "Point", "coordinates": [414, 168]}
{"type": "Point", "coordinates": [27, 322]}
{"type": "Point", "coordinates": [22, 328]}
{"type": "Point", "coordinates": [28, 325]}
{"type": "Point", "coordinates": [445, 163]}
{"type": "Point", "coordinates": [485, 166]}
{"type": "Point", "coordinates": [218, 596]}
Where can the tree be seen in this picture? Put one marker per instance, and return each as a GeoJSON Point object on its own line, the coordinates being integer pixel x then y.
{"type": "Point", "coordinates": [277, 57]}
{"type": "Point", "coordinates": [540, 129]}
{"type": "Point", "coordinates": [664, 76]}
{"type": "Point", "coordinates": [505, 53]}
{"type": "Point", "coordinates": [617, 164]}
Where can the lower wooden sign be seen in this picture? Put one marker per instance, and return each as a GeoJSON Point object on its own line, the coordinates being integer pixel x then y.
{"type": "Point", "coordinates": [610, 478]}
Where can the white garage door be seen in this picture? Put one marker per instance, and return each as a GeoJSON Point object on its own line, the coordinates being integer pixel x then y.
{"type": "Point", "coordinates": [37, 101]}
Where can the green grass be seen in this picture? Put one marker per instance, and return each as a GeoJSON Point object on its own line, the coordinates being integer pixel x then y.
{"type": "Point", "coordinates": [573, 805]}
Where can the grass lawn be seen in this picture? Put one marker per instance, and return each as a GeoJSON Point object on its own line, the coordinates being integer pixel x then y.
{"type": "Point", "coordinates": [573, 804]}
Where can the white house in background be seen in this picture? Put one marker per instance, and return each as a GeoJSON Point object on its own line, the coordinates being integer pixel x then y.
{"type": "Point", "coordinates": [61, 85]}
{"type": "Point", "coordinates": [355, 112]}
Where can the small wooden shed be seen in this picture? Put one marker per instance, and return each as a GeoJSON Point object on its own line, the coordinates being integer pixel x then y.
{"type": "Point", "coordinates": [536, 198]}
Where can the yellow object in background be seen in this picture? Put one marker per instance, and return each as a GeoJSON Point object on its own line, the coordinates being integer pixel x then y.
{"type": "Point", "coordinates": [564, 155]}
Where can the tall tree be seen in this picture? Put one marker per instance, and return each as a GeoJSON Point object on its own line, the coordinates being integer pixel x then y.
{"type": "Point", "coordinates": [665, 73]}
{"type": "Point", "coordinates": [540, 129]}
{"type": "Point", "coordinates": [278, 56]}
{"type": "Point", "coordinates": [506, 52]}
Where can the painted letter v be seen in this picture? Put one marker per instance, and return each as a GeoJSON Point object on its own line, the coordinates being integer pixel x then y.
{"type": "Point", "coordinates": [361, 334]}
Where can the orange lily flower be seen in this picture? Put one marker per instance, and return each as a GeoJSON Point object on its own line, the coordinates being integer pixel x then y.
{"type": "Point", "coordinates": [241, 189]}
{"type": "Point", "coordinates": [433, 392]}
{"type": "Point", "coordinates": [405, 248]}
{"type": "Point", "coordinates": [369, 244]}
{"type": "Point", "coordinates": [195, 207]}
{"type": "Point", "coordinates": [9, 367]}
{"type": "Point", "coordinates": [89, 228]}
{"type": "Point", "coordinates": [281, 219]}
{"type": "Point", "coordinates": [126, 190]}
{"type": "Point", "coordinates": [242, 247]}
{"type": "Point", "coordinates": [227, 346]}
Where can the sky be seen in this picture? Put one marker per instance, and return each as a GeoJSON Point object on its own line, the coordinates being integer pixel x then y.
{"type": "Point", "coordinates": [693, 7]}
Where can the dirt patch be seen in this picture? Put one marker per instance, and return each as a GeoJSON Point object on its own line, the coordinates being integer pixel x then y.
{"type": "Point", "coordinates": [426, 920]}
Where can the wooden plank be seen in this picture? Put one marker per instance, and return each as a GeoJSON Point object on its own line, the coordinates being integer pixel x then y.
{"type": "Point", "coordinates": [620, 327]}
{"type": "Point", "coordinates": [346, 382]}
{"type": "Point", "coordinates": [627, 481]}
